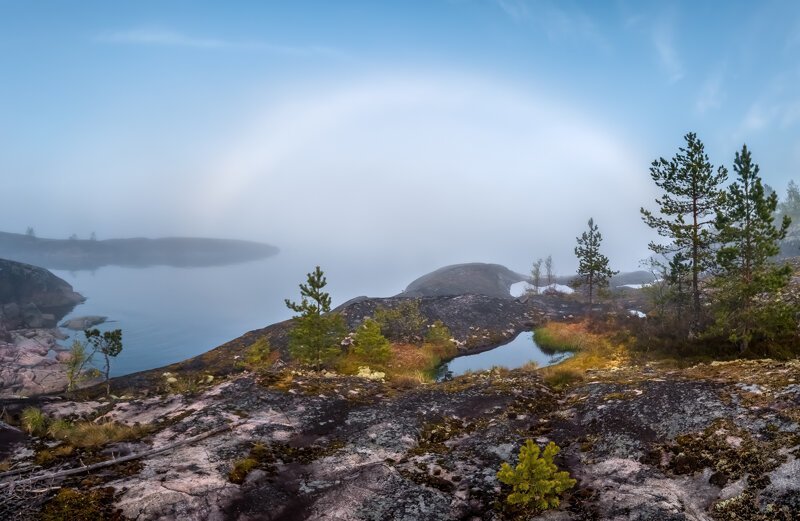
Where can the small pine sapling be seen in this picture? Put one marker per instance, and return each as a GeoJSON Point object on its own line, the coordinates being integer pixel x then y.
{"type": "Point", "coordinates": [536, 481]}
{"type": "Point", "coordinates": [370, 344]}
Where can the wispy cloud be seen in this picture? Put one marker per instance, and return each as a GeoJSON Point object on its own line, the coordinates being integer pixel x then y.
{"type": "Point", "coordinates": [516, 9]}
{"type": "Point", "coordinates": [154, 36]}
{"type": "Point", "coordinates": [712, 93]}
{"type": "Point", "coordinates": [557, 21]}
{"type": "Point", "coordinates": [663, 40]}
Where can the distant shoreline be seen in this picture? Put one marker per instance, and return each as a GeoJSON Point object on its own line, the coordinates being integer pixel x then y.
{"type": "Point", "coordinates": [82, 254]}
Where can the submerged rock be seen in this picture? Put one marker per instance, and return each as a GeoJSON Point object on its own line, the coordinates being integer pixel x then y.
{"type": "Point", "coordinates": [81, 323]}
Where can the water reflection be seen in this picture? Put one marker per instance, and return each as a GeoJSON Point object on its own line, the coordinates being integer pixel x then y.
{"type": "Point", "coordinates": [518, 352]}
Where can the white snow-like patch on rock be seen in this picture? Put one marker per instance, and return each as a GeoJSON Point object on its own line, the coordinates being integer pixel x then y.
{"type": "Point", "coordinates": [520, 288]}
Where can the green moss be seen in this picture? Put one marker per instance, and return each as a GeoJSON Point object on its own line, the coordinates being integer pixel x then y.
{"type": "Point", "coordinates": [241, 468]}
{"type": "Point", "coordinates": [265, 457]}
{"type": "Point", "coordinates": [74, 505]}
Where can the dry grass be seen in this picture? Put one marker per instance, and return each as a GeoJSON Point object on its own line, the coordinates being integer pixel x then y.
{"type": "Point", "coordinates": [593, 351]}
{"type": "Point", "coordinates": [417, 364]}
{"type": "Point", "coordinates": [562, 336]}
{"type": "Point", "coordinates": [93, 435]}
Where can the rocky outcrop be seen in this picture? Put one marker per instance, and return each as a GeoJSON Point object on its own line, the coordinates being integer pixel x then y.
{"type": "Point", "coordinates": [33, 297]}
{"type": "Point", "coordinates": [714, 441]}
{"type": "Point", "coordinates": [475, 278]}
{"type": "Point", "coordinates": [31, 363]}
{"type": "Point", "coordinates": [32, 300]}
{"type": "Point", "coordinates": [477, 323]}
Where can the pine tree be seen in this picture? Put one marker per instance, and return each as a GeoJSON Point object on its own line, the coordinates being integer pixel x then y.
{"type": "Point", "coordinates": [535, 481]}
{"type": "Point", "coordinates": [749, 238]}
{"type": "Point", "coordinates": [109, 344]}
{"type": "Point", "coordinates": [791, 205]}
{"type": "Point", "coordinates": [370, 344]}
{"type": "Point", "coordinates": [317, 333]}
{"type": "Point", "coordinates": [687, 207]}
{"type": "Point", "coordinates": [592, 265]}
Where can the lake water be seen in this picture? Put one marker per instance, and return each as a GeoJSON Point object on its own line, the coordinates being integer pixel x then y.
{"type": "Point", "coordinates": [518, 352]}
{"type": "Point", "coordinates": [169, 314]}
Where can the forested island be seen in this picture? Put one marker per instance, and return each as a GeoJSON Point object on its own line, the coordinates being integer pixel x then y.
{"type": "Point", "coordinates": [89, 254]}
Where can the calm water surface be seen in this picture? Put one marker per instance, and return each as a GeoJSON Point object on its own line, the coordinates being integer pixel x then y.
{"type": "Point", "coordinates": [168, 314]}
{"type": "Point", "coordinates": [518, 352]}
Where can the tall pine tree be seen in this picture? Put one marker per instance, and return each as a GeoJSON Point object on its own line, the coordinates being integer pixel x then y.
{"type": "Point", "coordinates": [749, 238]}
{"type": "Point", "coordinates": [317, 333]}
{"type": "Point", "coordinates": [592, 265]}
{"type": "Point", "coordinates": [687, 210]}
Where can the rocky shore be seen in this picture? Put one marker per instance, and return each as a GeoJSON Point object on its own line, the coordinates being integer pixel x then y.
{"type": "Point", "coordinates": [32, 300]}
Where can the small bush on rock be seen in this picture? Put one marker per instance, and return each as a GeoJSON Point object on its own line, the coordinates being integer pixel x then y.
{"type": "Point", "coordinates": [536, 481]}
{"type": "Point", "coordinates": [34, 421]}
{"type": "Point", "coordinates": [369, 344]}
{"type": "Point", "coordinates": [259, 355]}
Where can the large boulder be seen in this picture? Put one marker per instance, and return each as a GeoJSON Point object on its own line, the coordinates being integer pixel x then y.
{"type": "Point", "coordinates": [473, 278]}
{"type": "Point", "coordinates": [33, 297]}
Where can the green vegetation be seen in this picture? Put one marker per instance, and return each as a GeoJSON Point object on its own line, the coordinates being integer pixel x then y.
{"type": "Point", "coordinates": [34, 421]}
{"type": "Point", "coordinates": [369, 344]}
{"type": "Point", "coordinates": [553, 337]}
{"type": "Point", "coordinates": [74, 505]}
{"type": "Point", "coordinates": [78, 370]}
{"type": "Point", "coordinates": [691, 194]}
{"type": "Point", "coordinates": [593, 267]}
{"type": "Point", "coordinates": [109, 344]}
{"type": "Point", "coordinates": [721, 290]}
{"type": "Point", "coordinates": [259, 356]}
{"type": "Point", "coordinates": [402, 323]}
{"type": "Point", "coordinates": [438, 334]}
{"type": "Point", "coordinates": [560, 378]}
{"type": "Point", "coordinates": [749, 239]}
{"type": "Point", "coordinates": [78, 435]}
{"type": "Point", "coordinates": [315, 338]}
{"type": "Point", "coordinates": [535, 481]}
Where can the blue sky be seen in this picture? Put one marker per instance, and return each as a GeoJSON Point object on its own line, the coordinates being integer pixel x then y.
{"type": "Point", "coordinates": [473, 129]}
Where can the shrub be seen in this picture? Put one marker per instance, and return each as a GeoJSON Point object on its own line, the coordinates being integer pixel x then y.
{"type": "Point", "coordinates": [438, 334]}
{"type": "Point", "coordinates": [79, 359]}
{"type": "Point", "coordinates": [370, 344]}
{"type": "Point", "coordinates": [402, 323]}
{"type": "Point", "coordinates": [536, 481]}
{"type": "Point", "coordinates": [258, 356]}
{"type": "Point", "coordinates": [34, 421]}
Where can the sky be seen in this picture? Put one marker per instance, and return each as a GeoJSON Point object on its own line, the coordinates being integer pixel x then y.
{"type": "Point", "coordinates": [406, 135]}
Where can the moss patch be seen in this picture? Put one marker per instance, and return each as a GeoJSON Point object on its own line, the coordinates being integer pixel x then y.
{"type": "Point", "coordinates": [74, 505]}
